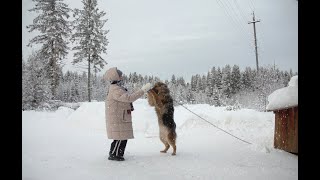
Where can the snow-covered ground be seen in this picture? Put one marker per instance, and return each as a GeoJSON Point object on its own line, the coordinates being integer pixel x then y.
{"type": "Point", "coordinates": [72, 144]}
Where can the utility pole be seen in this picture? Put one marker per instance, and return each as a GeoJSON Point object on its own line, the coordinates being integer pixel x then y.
{"type": "Point", "coordinates": [255, 38]}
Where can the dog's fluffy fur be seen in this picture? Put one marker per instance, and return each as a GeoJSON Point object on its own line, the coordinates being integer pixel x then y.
{"type": "Point", "coordinates": [159, 97]}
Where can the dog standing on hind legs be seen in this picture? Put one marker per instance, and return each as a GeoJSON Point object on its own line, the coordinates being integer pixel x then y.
{"type": "Point", "coordinates": [159, 97]}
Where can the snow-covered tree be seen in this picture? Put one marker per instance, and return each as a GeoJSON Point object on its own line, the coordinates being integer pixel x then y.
{"type": "Point", "coordinates": [173, 79]}
{"type": "Point", "coordinates": [286, 78]}
{"type": "Point", "coordinates": [180, 94]}
{"type": "Point", "coordinates": [247, 79]}
{"type": "Point", "coordinates": [226, 80]}
{"type": "Point", "coordinates": [181, 82]}
{"type": "Point", "coordinates": [235, 79]}
{"type": "Point", "coordinates": [190, 96]}
{"type": "Point", "coordinates": [210, 86]}
{"type": "Point", "coordinates": [90, 38]}
{"type": "Point", "coordinates": [24, 85]}
{"type": "Point", "coordinates": [198, 83]}
{"type": "Point", "coordinates": [193, 83]}
{"type": "Point", "coordinates": [54, 30]}
{"type": "Point", "coordinates": [252, 94]}
{"type": "Point", "coordinates": [36, 88]}
{"type": "Point", "coordinates": [218, 79]}
{"type": "Point", "coordinates": [133, 78]}
{"type": "Point", "coordinates": [101, 89]}
{"type": "Point", "coordinates": [216, 98]}
{"type": "Point", "coordinates": [84, 86]}
{"type": "Point", "coordinates": [213, 76]}
{"type": "Point", "coordinates": [203, 83]}
{"type": "Point", "coordinates": [265, 83]}
{"type": "Point", "coordinates": [178, 90]}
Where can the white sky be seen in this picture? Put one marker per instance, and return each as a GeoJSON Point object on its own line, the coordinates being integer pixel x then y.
{"type": "Point", "coordinates": [186, 37]}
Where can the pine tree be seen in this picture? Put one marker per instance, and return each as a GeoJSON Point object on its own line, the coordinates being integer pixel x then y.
{"type": "Point", "coordinates": [265, 83]}
{"type": "Point", "coordinates": [61, 88]}
{"type": "Point", "coordinates": [24, 85]}
{"type": "Point", "coordinates": [216, 98]}
{"type": "Point", "coordinates": [151, 80]}
{"type": "Point", "coordinates": [218, 79]}
{"type": "Point", "coordinates": [54, 31]}
{"type": "Point", "coordinates": [37, 91]}
{"type": "Point", "coordinates": [235, 79]}
{"type": "Point", "coordinates": [145, 79]}
{"type": "Point", "coordinates": [199, 83]}
{"type": "Point", "coordinates": [74, 89]}
{"type": "Point", "coordinates": [203, 83]}
{"type": "Point", "coordinates": [247, 79]}
{"type": "Point", "coordinates": [181, 82]}
{"type": "Point", "coordinates": [214, 76]}
{"type": "Point", "coordinates": [84, 84]}
{"type": "Point", "coordinates": [209, 89]}
{"type": "Point", "coordinates": [193, 83]}
{"type": "Point", "coordinates": [134, 78]}
{"type": "Point", "coordinates": [157, 79]}
{"type": "Point", "coordinates": [173, 79]}
{"type": "Point", "coordinates": [190, 96]}
{"type": "Point", "coordinates": [286, 78]}
{"type": "Point", "coordinates": [181, 94]}
{"type": "Point", "coordinates": [226, 80]}
{"type": "Point", "coordinates": [90, 37]}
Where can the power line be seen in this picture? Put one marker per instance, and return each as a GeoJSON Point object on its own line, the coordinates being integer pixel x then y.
{"type": "Point", "coordinates": [235, 19]}
{"type": "Point", "coordinates": [232, 20]}
{"type": "Point", "coordinates": [237, 16]}
{"type": "Point", "coordinates": [218, 2]}
{"type": "Point", "coordinates": [251, 5]}
{"type": "Point", "coordinates": [240, 9]}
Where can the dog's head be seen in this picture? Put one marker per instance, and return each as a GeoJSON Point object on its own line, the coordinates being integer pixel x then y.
{"type": "Point", "coordinates": [159, 94]}
{"type": "Point", "coordinates": [160, 89]}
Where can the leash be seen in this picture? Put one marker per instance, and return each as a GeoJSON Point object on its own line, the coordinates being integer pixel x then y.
{"type": "Point", "coordinates": [212, 124]}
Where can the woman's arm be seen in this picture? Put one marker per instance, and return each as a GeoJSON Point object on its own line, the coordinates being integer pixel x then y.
{"type": "Point", "coordinates": [124, 96]}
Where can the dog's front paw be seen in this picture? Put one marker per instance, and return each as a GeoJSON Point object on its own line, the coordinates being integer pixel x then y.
{"type": "Point", "coordinates": [163, 151]}
{"type": "Point", "coordinates": [173, 154]}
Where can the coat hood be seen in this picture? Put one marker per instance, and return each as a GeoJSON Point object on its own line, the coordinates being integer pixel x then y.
{"type": "Point", "coordinates": [112, 75]}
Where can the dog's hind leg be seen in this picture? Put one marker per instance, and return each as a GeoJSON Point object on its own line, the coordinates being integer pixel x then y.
{"type": "Point", "coordinates": [172, 141]}
{"type": "Point", "coordinates": [165, 143]}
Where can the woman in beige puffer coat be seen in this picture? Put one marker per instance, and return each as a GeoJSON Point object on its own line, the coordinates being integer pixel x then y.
{"type": "Point", "coordinates": [118, 107]}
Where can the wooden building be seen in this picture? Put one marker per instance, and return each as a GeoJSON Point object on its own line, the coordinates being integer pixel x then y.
{"type": "Point", "coordinates": [286, 129]}
{"type": "Point", "coordinates": [284, 104]}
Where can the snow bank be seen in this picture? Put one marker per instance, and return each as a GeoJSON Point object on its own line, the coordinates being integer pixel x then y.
{"type": "Point", "coordinates": [250, 125]}
{"type": "Point", "coordinates": [90, 115]}
{"type": "Point", "coordinates": [285, 97]}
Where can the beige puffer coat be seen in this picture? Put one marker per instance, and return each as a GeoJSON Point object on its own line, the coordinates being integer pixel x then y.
{"type": "Point", "coordinates": [118, 109]}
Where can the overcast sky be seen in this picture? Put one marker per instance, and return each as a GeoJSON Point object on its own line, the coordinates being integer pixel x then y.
{"type": "Point", "coordinates": [187, 37]}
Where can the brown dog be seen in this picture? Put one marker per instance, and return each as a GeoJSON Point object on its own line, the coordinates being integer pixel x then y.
{"type": "Point", "coordinates": [159, 97]}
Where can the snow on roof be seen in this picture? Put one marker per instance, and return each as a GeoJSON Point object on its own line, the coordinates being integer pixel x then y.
{"type": "Point", "coordinates": [285, 97]}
